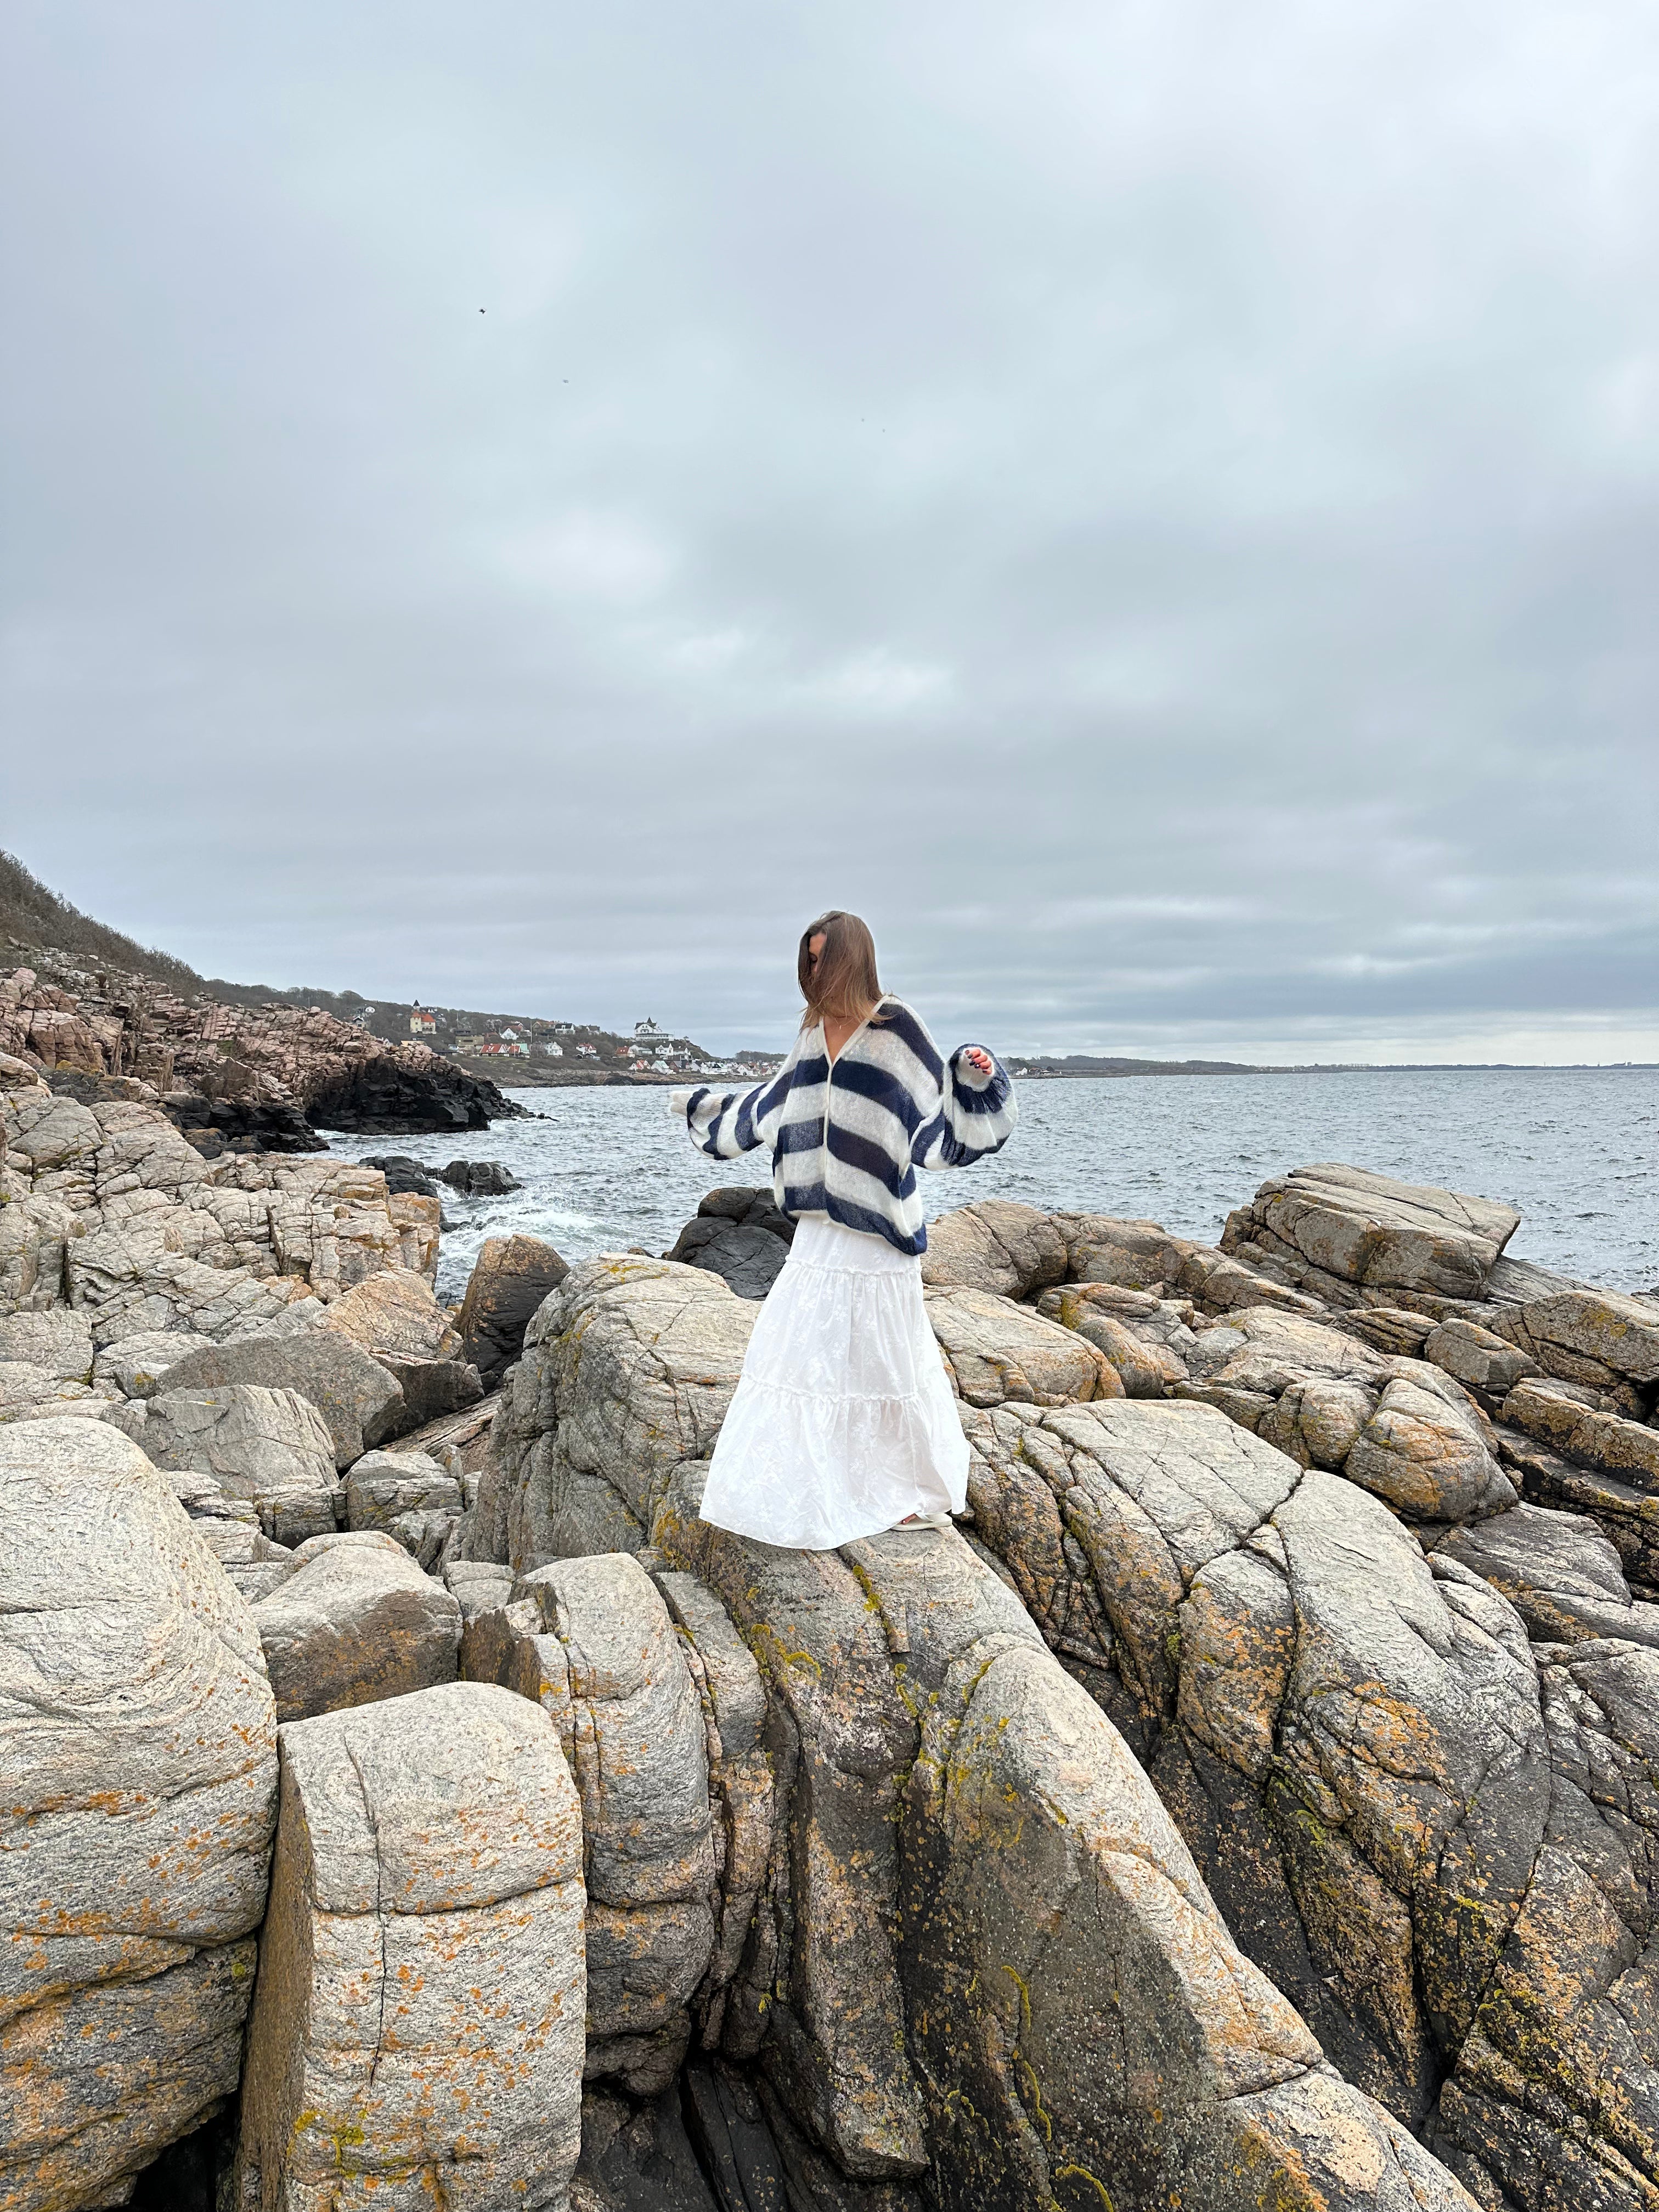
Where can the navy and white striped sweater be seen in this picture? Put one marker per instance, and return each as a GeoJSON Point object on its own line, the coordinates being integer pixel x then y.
{"type": "Point", "coordinates": [846, 1139]}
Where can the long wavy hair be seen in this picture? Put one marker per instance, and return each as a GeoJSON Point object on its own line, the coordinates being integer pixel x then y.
{"type": "Point", "coordinates": [844, 984]}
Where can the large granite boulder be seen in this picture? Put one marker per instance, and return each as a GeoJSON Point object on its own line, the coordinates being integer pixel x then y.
{"type": "Point", "coordinates": [395, 1317]}
{"type": "Point", "coordinates": [994, 1245]}
{"type": "Point", "coordinates": [269, 1447]}
{"type": "Point", "coordinates": [1364, 1753]}
{"type": "Point", "coordinates": [1488, 1364]}
{"type": "Point", "coordinates": [353, 1621]}
{"type": "Point", "coordinates": [984, 1960]}
{"type": "Point", "coordinates": [510, 1278]}
{"type": "Point", "coordinates": [994, 1350]}
{"type": "Point", "coordinates": [591, 1639]}
{"type": "Point", "coordinates": [738, 1233]}
{"type": "Point", "coordinates": [933, 1771]}
{"type": "Point", "coordinates": [416, 2036]}
{"type": "Point", "coordinates": [1338, 1231]}
{"type": "Point", "coordinates": [360, 1399]}
{"type": "Point", "coordinates": [628, 1368]}
{"type": "Point", "coordinates": [395, 1311]}
{"type": "Point", "coordinates": [1397, 1426]}
{"type": "Point", "coordinates": [137, 1743]}
{"type": "Point", "coordinates": [1146, 1338]}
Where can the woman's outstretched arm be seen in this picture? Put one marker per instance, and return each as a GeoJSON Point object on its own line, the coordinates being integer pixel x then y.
{"type": "Point", "coordinates": [725, 1123]}
{"type": "Point", "coordinates": [977, 1111]}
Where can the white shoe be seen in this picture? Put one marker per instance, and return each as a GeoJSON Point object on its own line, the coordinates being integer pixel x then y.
{"type": "Point", "coordinates": [925, 1521]}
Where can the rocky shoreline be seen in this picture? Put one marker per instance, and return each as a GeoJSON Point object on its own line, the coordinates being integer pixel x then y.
{"type": "Point", "coordinates": [246, 1078]}
{"type": "Point", "coordinates": [414, 1801]}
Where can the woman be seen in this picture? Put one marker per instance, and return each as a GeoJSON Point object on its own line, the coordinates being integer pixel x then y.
{"type": "Point", "coordinates": [843, 1422]}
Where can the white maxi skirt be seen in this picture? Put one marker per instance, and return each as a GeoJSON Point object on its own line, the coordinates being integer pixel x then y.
{"type": "Point", "coordinates": [843, 1421]}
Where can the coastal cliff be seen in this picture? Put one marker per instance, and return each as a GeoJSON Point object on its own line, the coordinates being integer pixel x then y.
{"type": "Point", "coordinates": [254, 1078]}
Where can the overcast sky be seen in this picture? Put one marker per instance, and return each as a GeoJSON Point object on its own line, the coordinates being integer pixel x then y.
{"type": "Point", "coordinates": [1156, 506]}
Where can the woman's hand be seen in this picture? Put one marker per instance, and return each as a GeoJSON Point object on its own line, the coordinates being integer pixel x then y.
{"type": "Point", "coordinates": [975, 1058]}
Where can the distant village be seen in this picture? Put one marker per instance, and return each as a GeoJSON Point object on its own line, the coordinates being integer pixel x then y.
{"type": "Point", "coordinates": [555, 1052]}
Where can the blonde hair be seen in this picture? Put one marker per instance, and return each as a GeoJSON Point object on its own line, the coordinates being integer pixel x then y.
{"type": "Point", "coordinates": [844, 984]}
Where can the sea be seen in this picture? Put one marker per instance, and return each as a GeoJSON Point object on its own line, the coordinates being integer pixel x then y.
{"type": "Point", "coordinates": [1576, 1149]}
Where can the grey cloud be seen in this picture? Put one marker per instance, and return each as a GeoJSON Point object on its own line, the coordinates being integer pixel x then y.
{"type": "Point", "coordinates": [1159, 509]}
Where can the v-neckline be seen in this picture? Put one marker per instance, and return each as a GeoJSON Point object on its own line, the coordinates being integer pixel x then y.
{"type": "Point", "coordinates": [834, 1059]}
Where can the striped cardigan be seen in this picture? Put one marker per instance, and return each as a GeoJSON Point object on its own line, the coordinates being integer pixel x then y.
{"type": "Point", "coordinates": [846, 1139]}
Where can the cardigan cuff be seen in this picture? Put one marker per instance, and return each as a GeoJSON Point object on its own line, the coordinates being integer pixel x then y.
{"type": "Point", "coordinates": [966, 1074]}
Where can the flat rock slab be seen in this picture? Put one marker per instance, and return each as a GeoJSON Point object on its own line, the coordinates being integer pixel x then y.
{"type": "Point", "coordinates": [136, 1365]}
{"type": "Point", "coordinates": [1607, 1441]}
{"type": "Point", "coordinates": [1369, 1231]}
{"type": "Point", "coordinates": [269, 1447]}
{"type": "Point", "coordinates": [137, 1741]}
{"type": "Point", "coordinates": [1559, 1571]}
{"type": "Point", "coordinates": [354, 1620]}
{"type": "Point", "coordinates": [60, 1342]}
{"type": "Point", "coordinates": [1584, 1333]}
{"type": "Point", "coordinates": [417, 2035]}
{"type": "Point", "coordinates": [395, 1311]}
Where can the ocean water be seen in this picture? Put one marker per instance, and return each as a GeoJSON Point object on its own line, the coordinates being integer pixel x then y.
{"type": "Point", "coordinates": [1575, 1149]}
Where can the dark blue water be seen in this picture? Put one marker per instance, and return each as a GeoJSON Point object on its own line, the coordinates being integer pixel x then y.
{"type": "Point", "coordinates": [1575, 1149]}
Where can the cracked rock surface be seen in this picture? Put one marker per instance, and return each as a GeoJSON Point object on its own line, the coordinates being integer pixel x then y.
{"type": "Point", "coordinates": [352, 1620]}
{"type": "Point", "coordinates": [980, 1956]}
{"type": "Point", "coordinates": [1356, 1743]}
{"type": "Point", "coordinates": [416, 2036]}
{"type": "Point", "coordinates": [137, 1748]}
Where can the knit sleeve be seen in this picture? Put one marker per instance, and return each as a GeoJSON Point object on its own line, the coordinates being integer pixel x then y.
{"type": "Point", "coordinates": [976, 1115]}
{"type": "Point", "coordinates": [723, 1124]}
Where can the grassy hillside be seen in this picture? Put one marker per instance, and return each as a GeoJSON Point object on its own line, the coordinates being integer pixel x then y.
{"type": "Point", "coordinates": [35, 919]}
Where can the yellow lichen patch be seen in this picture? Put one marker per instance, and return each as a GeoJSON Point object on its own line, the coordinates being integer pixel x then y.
{"type": "Point", "coordinates": [1081, 2173]}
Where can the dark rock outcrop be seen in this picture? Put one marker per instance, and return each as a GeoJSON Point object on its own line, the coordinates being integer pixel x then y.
{"type": "Point", "coordinates": [384, 1096]}
{"type": "Point", "coordinates": [739, 1235]}
{"type": "Point", "coordinates": [480, 1178]}
{"type": "Point", "coordinates": [510, 1278]}
{"type": "Point", "coordinates": [403, 1173]}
